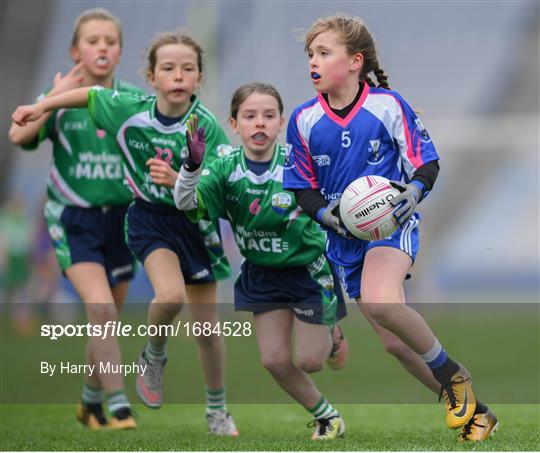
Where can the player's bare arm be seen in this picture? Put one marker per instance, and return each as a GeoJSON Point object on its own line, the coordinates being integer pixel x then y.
{"type": "Point", "coordinates": [27, 113]}
{"type": "Point", "coordinates": [22, 135]}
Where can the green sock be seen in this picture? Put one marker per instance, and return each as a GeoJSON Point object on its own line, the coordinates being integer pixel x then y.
{"type": "Point", "coordinates": [215, 400]}
{"type": "Point", "coordinates": [117, 400]}
{"type": "Point", "coordinates": [155, 352]}
{"type": "Point", "coordinates": [91, 395]}
{"type": "Point", "coordinates": [323, 409]}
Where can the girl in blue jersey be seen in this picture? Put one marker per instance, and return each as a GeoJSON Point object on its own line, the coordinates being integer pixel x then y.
{"type": "Point", "coordinates": [355, 128]}
{"type": "Point", "coordinates": [85, 214]}
{"type": "Point", "coordinates": [173, 250]}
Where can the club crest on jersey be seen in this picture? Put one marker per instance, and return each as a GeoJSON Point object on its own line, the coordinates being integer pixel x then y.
{"type": "Point", "coordinates": [224, 150]}
{"type": "Point", "coordinates": [288, 149]}
{"type": "Point", "coordinates": [281, 202]}
{"type": "Point", "coordinates": [425, 138]}
{"type": "Point", "coordinates": [374, 149]}
{"type": "Point", "coordinates": [322, 160]}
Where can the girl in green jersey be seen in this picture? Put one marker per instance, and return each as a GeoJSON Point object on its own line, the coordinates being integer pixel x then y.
{"type": "Point", "coordinates": [285, 280]}
{"type": "Point", "coordinates": [176, 254]}
{"type": "Point", "coordinates": [87, 202]}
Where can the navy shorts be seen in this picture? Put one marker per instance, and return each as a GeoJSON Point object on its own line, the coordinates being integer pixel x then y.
{"type": "Point", "coordinates": [151, 226]}
{"type": "Point", "coordinates": [90, 235]}
{"type": "Point", "coordinates": [260, 289]}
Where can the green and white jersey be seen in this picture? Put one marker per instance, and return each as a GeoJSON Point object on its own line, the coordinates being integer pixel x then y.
{"type": "Point", "coordinates": [139, 134]}
{"type": "Point", "coordinates": [86, 168]}
{"type": "Point", "coordinates": [269, 227]}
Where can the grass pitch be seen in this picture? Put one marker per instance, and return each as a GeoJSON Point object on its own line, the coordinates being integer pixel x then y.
{"type": "Point", "coordinates": [272, 427]}
{"type": "Point", "coordinates": [499, 343]}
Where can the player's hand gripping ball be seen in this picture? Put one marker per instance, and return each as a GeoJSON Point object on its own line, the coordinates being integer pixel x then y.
{"type": "Point", "coordinates": [366, 209]}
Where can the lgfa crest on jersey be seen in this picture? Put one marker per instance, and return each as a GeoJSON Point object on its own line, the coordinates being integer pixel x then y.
{"type": "Point", "coordinates": [281, 201]}
{"type": "Point", "coordinates": [423, 131]}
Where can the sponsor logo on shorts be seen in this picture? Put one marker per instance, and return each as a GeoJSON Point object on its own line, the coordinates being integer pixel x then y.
{"type": "Point", "coordinates": [309, 312]}
{"type": "Point", "coordinates": [201, 274]}
{"type": "Point", "coordinates": [122, 270]}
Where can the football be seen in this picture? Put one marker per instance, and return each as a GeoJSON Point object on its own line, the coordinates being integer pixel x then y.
{"type": "Point", "coordinates": [366, 210]}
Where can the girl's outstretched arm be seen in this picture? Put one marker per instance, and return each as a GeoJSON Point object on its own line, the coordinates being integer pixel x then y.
{"type": "Point", "coordinates": [185, 189]}
{"type": "Point", "coordinates": [23, 135]}
{"type": "Point", "coordinates": [27, 113]}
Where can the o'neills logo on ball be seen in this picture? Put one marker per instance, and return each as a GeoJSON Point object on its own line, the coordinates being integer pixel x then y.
{"type": "Point", "coordinates": [376, 205]}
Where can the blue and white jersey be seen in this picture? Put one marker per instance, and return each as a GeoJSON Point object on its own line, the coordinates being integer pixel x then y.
{"type": "Point", "coordinates": [380, 136]}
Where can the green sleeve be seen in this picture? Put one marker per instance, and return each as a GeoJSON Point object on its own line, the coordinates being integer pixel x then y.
{"type": "Point", "coordinates": [199, 212]}
{"type": "Point", "coordinates": [110, 108]}
{"type": "Point", "coordinates": [216, 140]}
{"type": "Point", "coordinates": [46, 131]}
{"type": "Point", "coordinates": [210, 193]}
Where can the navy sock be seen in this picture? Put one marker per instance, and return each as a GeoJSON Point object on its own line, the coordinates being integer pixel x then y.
{"type": "Point", "coordinates": [444, 373]}
{"type": "Point", "coordinates": [442, 366]}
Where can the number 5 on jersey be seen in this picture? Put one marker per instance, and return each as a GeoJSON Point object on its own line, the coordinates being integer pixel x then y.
{"type": "Point", "coordinates": [345, 139]}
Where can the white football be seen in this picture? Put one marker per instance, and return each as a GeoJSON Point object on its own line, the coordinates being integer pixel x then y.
{"type": "Point", "coordinates": [366, 210]}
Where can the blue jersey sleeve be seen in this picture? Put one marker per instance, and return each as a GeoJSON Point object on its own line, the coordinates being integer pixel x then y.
{"type": "Point", "coordinates": [298, 172]}
{"type": "Point", "coordinates": [415, 144]}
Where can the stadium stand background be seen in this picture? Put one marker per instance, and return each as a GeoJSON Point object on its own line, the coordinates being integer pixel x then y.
{"type": "Point", "coordinates": [471, 67]}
